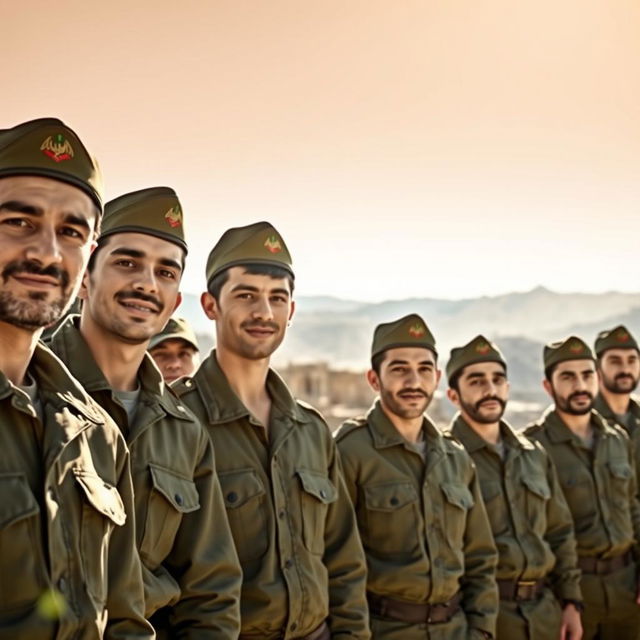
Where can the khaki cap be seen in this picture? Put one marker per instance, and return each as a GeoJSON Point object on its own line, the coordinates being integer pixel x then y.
{"type": "Point", "coordinates": [49, 148]}
{"type": "Point", "coordinates": [477, 350]}
{"type": "Point", "coordinates": [257, 243]}
{"type": "Point", "coordinates": [155, 211]}
{"type": "Point", "coordinates": [409, 331]}
{"type": "Point", "coordinates": [176, 329]}
{"type": "Point", "coordinates": [571, 348]}
{"type": "Point", "coordinates": [616, 338]}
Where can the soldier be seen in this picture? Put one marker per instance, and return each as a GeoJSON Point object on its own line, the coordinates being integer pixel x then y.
{"type": "Point", "coordinates": [190, 568]}
{"type": "Point", "coordinates": [290, 515]}
{"type": "Point", "coordinates": [175, 350]}
{"type": "Point", "coordinates": [68, 565]}
{"type": "Point", "coordinates": [430, 553]}
{"type": "Point", "coordinates": [619, 371]}
{"type": "Point", "coordinates": [596, 471]}
{"type": "Point", "coordinates": [538, 581]}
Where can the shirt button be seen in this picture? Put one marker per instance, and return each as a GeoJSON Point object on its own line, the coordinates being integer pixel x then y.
{"type": "Point", "coordinates": [179, 499]}
{"type": "Point", "coordinates": [288, 564]}
{"type": "Point", "coordinates": [62, 584]}
{"type": "Point", "coordinates": [323, 493]}
{"type": "Point", "coordinates": [293, 627]}
{"type": "Point", "coordinates": [394, 501]}
{"type": "Point", "coordinates": [232, 496]}
{"type": "Point", "coordinates": [281, 513]}
{"type": "Point", "coordinates": [188, 383]}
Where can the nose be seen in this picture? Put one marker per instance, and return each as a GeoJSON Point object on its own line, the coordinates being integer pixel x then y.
{"type": "Point", "coordinates": [262, 309]}
{"type": "Point", "coordinates": [412, 379]}
{"type": "Point", "coordinates": [145, 280]}
{"type": "Point", "coordinates": [45, 248]}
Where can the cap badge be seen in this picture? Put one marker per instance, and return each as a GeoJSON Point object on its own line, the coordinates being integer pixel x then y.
{"type": "Point", "coordinates": [622, 336]}
{"type": "Point", "coordinates": [57, 147]}
{"type": "Point", "coordinates": [273, 245]}
{"type": "Point", "coordinates": [483, 348]}
{"type": "Point", "coordinates": [416, 330]}
{"type": "Point", "coordinates": [576, 347]}
{"type": "Point", "coordinates": [174, 216]}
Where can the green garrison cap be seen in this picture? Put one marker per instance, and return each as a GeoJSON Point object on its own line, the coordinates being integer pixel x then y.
{"type": "Point", "coordinates": [410, 331]}
{"type": "Point", "coordinates": [155, 211]}
{"type": "Point", "coordinates": [616, 338]}
{"type": "Point", "coordinates": [571, 348]}
{"type": "Point", "coordinates": [176, 329]}
{"type": "Point", "coordinates": [48, 148]}
{"type": "Point", "coordinates": [478, 350]}
{"type": "Point", "coordinates": [257, 243]}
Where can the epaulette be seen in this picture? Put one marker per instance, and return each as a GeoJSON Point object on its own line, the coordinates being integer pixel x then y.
{"type": "Point", "coordinates": [533, 428]}
{"type": "Point", "coordinates": [348, 426]}
{"type": "Point", "coordinates": [310, 408]}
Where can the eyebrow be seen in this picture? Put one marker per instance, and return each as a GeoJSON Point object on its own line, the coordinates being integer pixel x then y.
{"type": "Point", "coordinates": [394, 362]}
{"type": "Point", "coordinates": [136, 253]}
{"type": "Point", "coordinates": [248, 287]}
{"type": "Point", "coordinates": [16, 206]}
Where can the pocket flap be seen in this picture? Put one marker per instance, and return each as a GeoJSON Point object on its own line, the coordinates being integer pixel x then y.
{"type": "Point", "coordinates": [389, 497]}
{"type": "Point", "coordinates": [240, 486]}
{"type": "Point", "coordinates": [18, 501]}
{"type": "Point", "coordinates": [457, 494]}
{"type": "Point", "coordinates": [539, 486]}
{"type": "Point", "coordinates": [620, 470]}
{"type": "Point", "coordinates": [318, 485]}
{"type": "Point", "coordinates": [103, 496]}
{"type": "Point", "coordinates": [180, 492]}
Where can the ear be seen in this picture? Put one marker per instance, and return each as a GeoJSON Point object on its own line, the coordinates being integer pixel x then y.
{"type": "Point", "coordinates": [373, 380]}
{"type": "Point", "coordinates": [178, 301]}
{"type": "Point", "coordinates": [453, 396]}
{"type": "Point", "coordinates": [209, 305]}
{"type": "Point", "coordinates": [83, 292]}
{"type": "Point", "coordinates": [438, 376]}
{"type": "Point", "coordinates": [293, 310]}
{"type": "Point", "coordinates": [547, 387]}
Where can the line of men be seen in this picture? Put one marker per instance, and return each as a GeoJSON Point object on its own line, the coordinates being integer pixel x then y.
{"type": "Point", "coordinates": [221, 506]}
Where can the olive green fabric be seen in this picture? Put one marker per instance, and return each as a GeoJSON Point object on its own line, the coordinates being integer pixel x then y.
{"type": "Point", "coordinates": [617, 338]}
{"type": "Point", "coordinates": [531, 524]}
{"type": "Point", "coordinates": [599, 485]}
{"type": "Point", "coordinates": [49, 148]}
{"type": "Point", "coordinates": [176, 329]}
{"type": "Point", "coordinates": [66, 514]}
{"type": "Point", "coordinates": [539, 619]}
{"type": "Point", "coordinates": [288, 508]}
{"type": "Point", "coordinates": [155, 211]}
{"type": "Point", "coordinates": [477, 350]}
{"type": "Point", "coordinates": [188, 558]}
{"type": "Point", "coordinates": [409, 331]}
{"type": "Point", "coordinates": [257, 243]}
{"type": "Point", "coordinates": [571, 348]}
{"type": "Point", "coordinates": [422, 521]}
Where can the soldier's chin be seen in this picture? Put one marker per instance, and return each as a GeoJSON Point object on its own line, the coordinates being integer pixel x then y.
{"type": "Point", "coordinates": [579, 411]}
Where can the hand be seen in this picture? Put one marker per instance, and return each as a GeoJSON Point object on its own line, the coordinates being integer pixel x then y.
{"type": "Point", "coordinates": [571, 628]}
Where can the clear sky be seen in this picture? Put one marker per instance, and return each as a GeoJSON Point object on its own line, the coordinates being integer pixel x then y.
{"type": "Point", "coordinates": [447, 148]}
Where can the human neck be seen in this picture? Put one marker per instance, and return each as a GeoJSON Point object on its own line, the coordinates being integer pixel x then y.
{"type": "Point", "coordinates": [248, 379]}
{"type": "Point", "coordinates": [617, 402]}
{"type": "Point", "coordinates": [409, 428]}
{"type": "Point", "coordinates": [16, 350]}
{"type": "Point", "coordinates": [488, 432]}
{"type": "Point", "coordinates": [580, 425]}
{"type": "Point", "coordinates": [119, 361]}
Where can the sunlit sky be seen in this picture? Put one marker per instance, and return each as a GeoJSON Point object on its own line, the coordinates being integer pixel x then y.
{"type": "Point", "coordinates": [448, 148]}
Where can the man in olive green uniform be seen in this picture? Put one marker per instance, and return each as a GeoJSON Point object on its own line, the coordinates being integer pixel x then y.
{"type": "Point", "coordinates": [290, 515]}
{"type": "Point", "coordinates": [596, 471]}
{"type": "Point", "coordinates": [190, 568]}
{"type": "Point", "coordinates": [430, 553]}
{"type": "Point", "coordinates": [68, 565]}
{"type": "Point", "coordinates": [537, 575]}
{"type": "Point", "coordinates": [619, 371]}
{"type": "Point", "coordinates": [175, 350]}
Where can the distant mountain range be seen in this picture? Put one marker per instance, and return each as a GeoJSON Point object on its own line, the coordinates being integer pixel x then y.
{"type": "Point", "coordinates": [339, 331]}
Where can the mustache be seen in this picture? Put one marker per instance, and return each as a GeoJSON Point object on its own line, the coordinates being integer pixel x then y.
{"type": "Point", "coordinates": [413, 392]}
{"type": "Point", "coordinates": [257, 324]}
{"type": "Point", "coordinates": [500, 401]}
{"type": "Point", "coordinates": [622, 376]}
{"type": "Point", "coordinates": [32, 267]}
{"type": "Point", "coordinates": [138, 295]}
{"type": "Point", "coordinates": [577, 394]}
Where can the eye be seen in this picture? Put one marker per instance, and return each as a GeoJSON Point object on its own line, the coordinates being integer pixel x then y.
{"type": "Point", "coordinates": [72, 233]}
{"type": "Point", "coordinates": [245, 296]}
{"type": "Point", "coordinates": [16, 222]}
{"type": "Point", "coordinates": [167, 273]}
{"type": "Point", "coordinates": [125, 262]}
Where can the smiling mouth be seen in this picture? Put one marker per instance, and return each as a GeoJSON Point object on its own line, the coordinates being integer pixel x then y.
{"type": "Point", "coordinates": [35, 281]}
{"type": "Point", "coordinates": [140, 308]}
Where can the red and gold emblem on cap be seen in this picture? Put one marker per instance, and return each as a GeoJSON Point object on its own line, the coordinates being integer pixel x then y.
{"type": "Point", "coordinates": [57, 147]}
{"type": "Point", "coordinates": [483, 348]}
{"type": "Point", "coordinates": [576, 347]}
{"type": "Point", "coordinates": [272, 244]}
{"type": "Point", "coordinates": [622, 336]}
{"type": "Point", "coordinates": [416, 330]}
{"type": "Point", "coordinates": [174, 216]}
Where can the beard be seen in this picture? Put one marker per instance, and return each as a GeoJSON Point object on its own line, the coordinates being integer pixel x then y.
{"type": "Point", "coordinates": [393, 402]}
{"type": "Point", "coordinates": [35, 310]}
{"type": "Point", "coordinates": [622, 383]}
{"type": "Point", "coordinates": [474, 410]}
{"type": "Point", "coordinates": [565, 404]}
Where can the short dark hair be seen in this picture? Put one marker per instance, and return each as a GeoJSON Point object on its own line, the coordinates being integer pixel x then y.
{"type": "Point", "coordinates": [254, 269]}
{"type": "Point", "coordinates": [454, 380]}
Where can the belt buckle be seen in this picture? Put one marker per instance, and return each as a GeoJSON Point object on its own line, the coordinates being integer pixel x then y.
{"type": "Point", "coordinates": [524, 584]}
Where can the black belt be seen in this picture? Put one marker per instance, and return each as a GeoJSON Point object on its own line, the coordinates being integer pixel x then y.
{"type": "Point", "coordinates": [515, 590]}
{"type": "Point", "coordinates": [603, 566]}
{"type": "Point", "coordinates": [412, 612]}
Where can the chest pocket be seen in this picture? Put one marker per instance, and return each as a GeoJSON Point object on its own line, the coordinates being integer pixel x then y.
{"type": "Point", "coordinates": [579, 492]}
{"type": "Point", "coordinates": [317, 494]}
{"type": "Point", "coordinates": [171, 496]}
{"type": "Point", "coordinates": [245, 500]}
{"type": "Point", "coordinates": [620, 475]}
{"type": "Point", "coordinates": [537, 494]}
{"type": "Point", "coordinates": [22, 574]}
{"type": "Point", "coordinates": [458, 500]}
{"type": "Point", "coordinates": [102, 510]}
{"type": "Point", "coordinates": [495, 506]}
{"type": "Point", "coordinates": [392, 519]}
